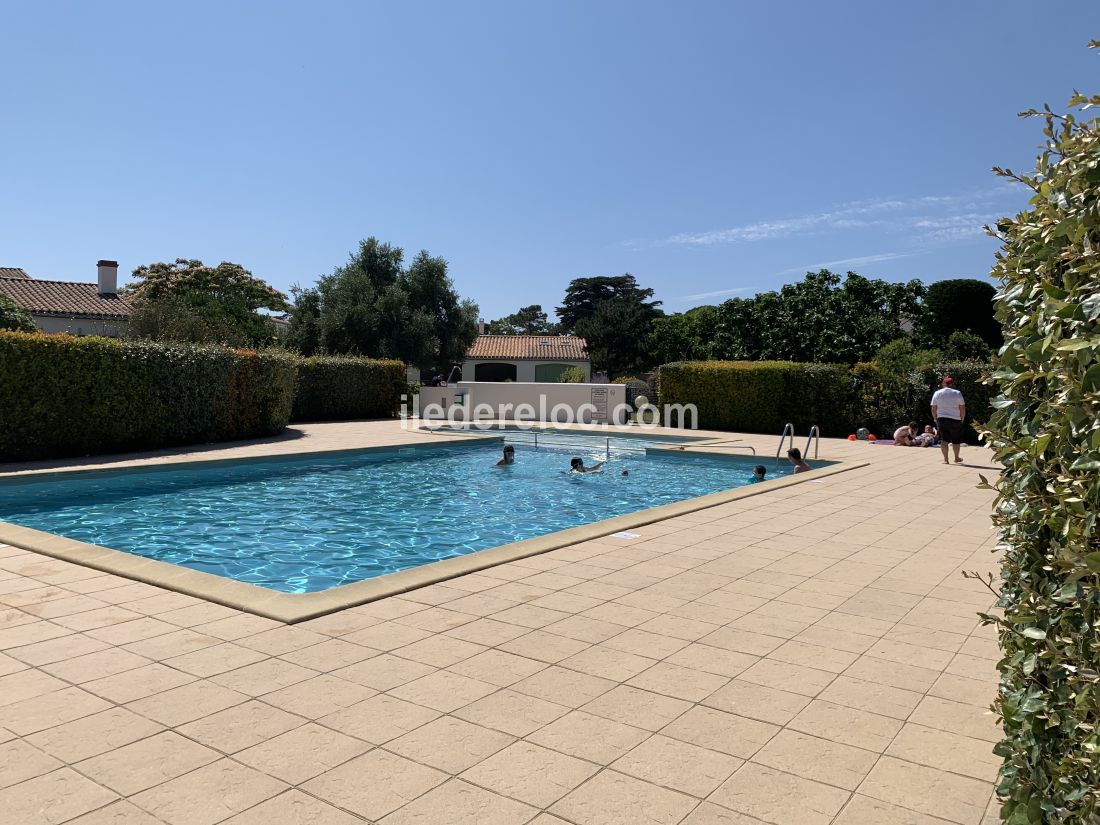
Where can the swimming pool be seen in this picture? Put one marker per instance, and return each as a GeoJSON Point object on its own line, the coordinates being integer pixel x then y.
{"type": "Point", "coordinates": [311, 523]}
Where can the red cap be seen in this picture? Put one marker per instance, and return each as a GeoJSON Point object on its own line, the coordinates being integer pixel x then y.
{"type": "Point", "coordinates": [949, 381]}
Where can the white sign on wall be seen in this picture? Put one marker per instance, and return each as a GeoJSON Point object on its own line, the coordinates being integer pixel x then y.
{"type": "Point", "coordinates": [599, 401]}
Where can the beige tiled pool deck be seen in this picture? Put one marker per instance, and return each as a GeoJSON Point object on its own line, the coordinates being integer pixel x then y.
{"type": "Point", "coordinates": [806, 656]}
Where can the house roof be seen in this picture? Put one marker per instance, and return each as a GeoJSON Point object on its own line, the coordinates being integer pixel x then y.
{"type": "Point", "coordinates": [529, 348]}
{"type": "Point", "coordinates": [65, 299]}
{"type": "Point", "coordinates": [12, 272]}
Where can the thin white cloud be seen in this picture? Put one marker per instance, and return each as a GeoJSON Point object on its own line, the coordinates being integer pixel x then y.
{"type": "Point", "coordinates": [954, 227]}
{"type": "Point", "coordinates": [702, 296]}
{"type": "Point", "coordinates": [860, 261]}
{"type": "Point", "coordinates": [895, 215]}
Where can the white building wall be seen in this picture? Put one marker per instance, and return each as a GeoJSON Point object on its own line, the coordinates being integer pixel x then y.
{"type": "Point", "coordinates": [79, 326]}
{"type": "Point", "coordinates": [525, 370]}
{"type": "Point", "coordinates": [577, 403]}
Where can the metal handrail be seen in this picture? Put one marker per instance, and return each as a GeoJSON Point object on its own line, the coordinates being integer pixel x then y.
{"type": "Point", "coordinates": [719, 445]}
{"type": "Point", "coordinates": [815, 437]}
{"type": "Point", "coordinates": [787, 430]}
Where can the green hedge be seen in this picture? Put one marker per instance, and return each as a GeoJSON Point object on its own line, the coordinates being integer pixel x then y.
{"type": "Point", "coordinates": [65, 396]}
{"type": "Point", "coordinates": [334, 387]}
{"type": "Point", "coordinates": [763, 396]}
{"type": "Point", "coordinates": [759, 396]}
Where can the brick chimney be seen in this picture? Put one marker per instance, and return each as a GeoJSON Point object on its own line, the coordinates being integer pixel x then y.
{"type": "Point", "coordinates": [108, 277]}
{"type": "Point", "coordinates": [481, 326]}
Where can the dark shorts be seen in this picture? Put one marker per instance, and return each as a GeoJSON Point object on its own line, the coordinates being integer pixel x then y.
{"type": "Point", "coordinates": [951, 430]}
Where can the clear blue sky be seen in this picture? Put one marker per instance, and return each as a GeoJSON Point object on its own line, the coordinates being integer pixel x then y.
{"type": "Point", "coordinates": [709, 148]}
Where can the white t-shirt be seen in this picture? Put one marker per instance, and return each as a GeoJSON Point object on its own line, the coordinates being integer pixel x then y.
{"type": "Point", "coordinates": [948, 402]}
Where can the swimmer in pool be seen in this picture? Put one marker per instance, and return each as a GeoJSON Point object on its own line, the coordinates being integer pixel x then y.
{"type": "Point", "coordinates": [509, 456]}
{"type": "Point", "coordinates": [758, 473]}
{"type": "Point", "coordinates": [576, 467]}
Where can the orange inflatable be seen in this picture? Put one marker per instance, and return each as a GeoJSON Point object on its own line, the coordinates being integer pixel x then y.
{"type": "Point", "coordinates": [852, 438]}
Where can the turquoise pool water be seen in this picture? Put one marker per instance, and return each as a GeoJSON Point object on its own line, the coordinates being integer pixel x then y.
{"type": "Point", "coordinates": [306, 524]}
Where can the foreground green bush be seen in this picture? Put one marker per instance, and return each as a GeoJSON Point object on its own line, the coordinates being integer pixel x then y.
{"type": "Point", "coordinates": [760, 396]}
{"type": "Point", "coordinates": [336, 387]}
{"type": "Point", "coordinates": [1047, 434]}
{"type": "Point", "coordinates": [65, 396]}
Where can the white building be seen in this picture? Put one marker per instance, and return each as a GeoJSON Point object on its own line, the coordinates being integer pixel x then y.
{"type": "Point", "coordinates": [67, 306]}
{"type": "Point", "coordinates": [525, 358]}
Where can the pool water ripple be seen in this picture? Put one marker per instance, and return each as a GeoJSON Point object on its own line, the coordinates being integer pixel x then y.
{"type": "Point", "coordinates": [309, 524]}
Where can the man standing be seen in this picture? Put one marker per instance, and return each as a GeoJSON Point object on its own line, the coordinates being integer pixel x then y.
{"type": "Point", "coordinates": [949, 413]}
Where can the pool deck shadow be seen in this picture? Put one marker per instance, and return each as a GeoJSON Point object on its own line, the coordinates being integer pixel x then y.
{"type": "Point", "coordinates": [807, 654]}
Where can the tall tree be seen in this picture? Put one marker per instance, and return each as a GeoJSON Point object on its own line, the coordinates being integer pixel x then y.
{"type": "Point", "coordinates": [959, 305]}
{"type": "Point", "coordinates": [529, 320]}
{"type": "Point", "coordinates": [616, 334]}
{"type": "Point", "coordinates": [187, 300]}
{"type": "Point", "coordinates": [584, 295]}
{"type": "Point", "coordinates": [374, 306]}
{"type": "Point", "coordinates": [683, 336]}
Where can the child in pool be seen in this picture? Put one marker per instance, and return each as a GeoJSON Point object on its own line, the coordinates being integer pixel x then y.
{"type": "Point", "coordinates": [576, 467]}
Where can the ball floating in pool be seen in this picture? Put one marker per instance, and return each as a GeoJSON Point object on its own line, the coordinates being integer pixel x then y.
{"type": "Point", "coordinates": [852, 437]}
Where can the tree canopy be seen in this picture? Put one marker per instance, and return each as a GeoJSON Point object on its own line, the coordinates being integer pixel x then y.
{"type": "Point", "coordinates": [584, 295]}
{"type": "Point", "coordinates": [375, 306]}
{"type": "Point", "coordinates": [821, 318]}
{"type": "Point", "coordinates": [13, 316]}
{"type": "Point", "coordinates": [189, 301]}
{"type": "Point", "coordinates": [529, 320]}
{"type": "Point", "coordinates": [959, 305]}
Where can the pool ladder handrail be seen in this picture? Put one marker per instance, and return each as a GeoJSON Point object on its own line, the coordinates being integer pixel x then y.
{"type": "Point", "coordinates": [788, 430]}
{"type": "Point", "coordinates": [815, 437]}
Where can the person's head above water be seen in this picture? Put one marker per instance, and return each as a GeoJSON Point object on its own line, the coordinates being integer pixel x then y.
{"type": "Point", "coordinates": [575, 463]}
{"type": "Point", "coordinates": [509, 449]}
{"type": "Point", "coordinates": [795, 455]}
{"type": "Point", "coordinates": [759, 470]}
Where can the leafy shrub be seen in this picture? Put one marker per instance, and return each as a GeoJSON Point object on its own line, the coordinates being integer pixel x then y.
{"type": "Point", "coordinates": [13, 316]}
{"type": "Point", "coordinates": [627, 379]}
{"type": "Point", "coordinates": [335, 387]}
{"type": "Point", "coordinates": [881, 397]}
{"type": "Point", "coordinates": [1046, 431]}
{"type": "Point", "coordinates": [963, 345]}
{"type": "Point", "coordinates": [759, 396]}
{"type": "Point", "coordinates": [64, 396]}
{"type": "Point", "coordinates": [573, 375]}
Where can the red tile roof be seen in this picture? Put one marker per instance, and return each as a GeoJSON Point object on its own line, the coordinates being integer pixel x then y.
{"type": "Point", "coordinates": [12, 272]}
{"type": "Point", "coordinates": [529, 348]}
{"type": "Point", "coordinates": [65, 299]}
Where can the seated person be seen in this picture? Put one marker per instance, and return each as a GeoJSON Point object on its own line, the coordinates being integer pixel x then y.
{"type": "Point", "coordinates": [509, 456]}
{"type": "Point", "coordinates": [758, 473]}
{"type": "Point", "coordinates": [794, 455]}
{"type": "Point", "coordinates": [927, 438]}
{"type": "Point", "coordinates": [576, 467]}
{"type": "Point", "coordinates": [904, 435]}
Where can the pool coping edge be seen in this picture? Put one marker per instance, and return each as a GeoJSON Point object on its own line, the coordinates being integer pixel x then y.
{"type": "Point", "coordinates": [291, 608]}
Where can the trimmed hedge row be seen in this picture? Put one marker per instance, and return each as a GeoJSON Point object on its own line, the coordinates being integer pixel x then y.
{"type": "Point", "coordinates": [763, 396]}
{"type": "Point", "coordinates": [65, 396]}
{"type": "Point", "coordinates": [759, 396]}
{"type": "Point", "coordinates": [335, 387]}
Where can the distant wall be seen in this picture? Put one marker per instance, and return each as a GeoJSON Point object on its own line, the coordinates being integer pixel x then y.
{"type": "Point", "coordinates": [525, 370]}
{"type": "Point", "coordinates": [575, 403]}
{"type": "Point", "coordinates": [79, 326]}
